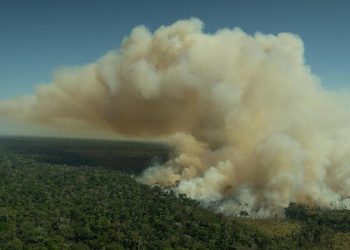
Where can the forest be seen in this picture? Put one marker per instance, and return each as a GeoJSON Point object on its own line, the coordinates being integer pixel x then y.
{"type": "Point", "coordinates": [52, 204]}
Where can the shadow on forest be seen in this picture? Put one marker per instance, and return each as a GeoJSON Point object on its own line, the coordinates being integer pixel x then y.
{"type": "Point", "coordinates": [120, 155]}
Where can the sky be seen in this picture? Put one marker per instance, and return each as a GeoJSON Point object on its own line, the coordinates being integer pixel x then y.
{"type": "Point", "coordinates": [37, 37]}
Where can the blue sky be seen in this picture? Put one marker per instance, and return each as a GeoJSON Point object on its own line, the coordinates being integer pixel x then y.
{"type": "Point", "coordinates": [37, 37]}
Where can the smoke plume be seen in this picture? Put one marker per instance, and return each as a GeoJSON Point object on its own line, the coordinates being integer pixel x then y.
{"type": "Point", "coordinates": [253, 127]}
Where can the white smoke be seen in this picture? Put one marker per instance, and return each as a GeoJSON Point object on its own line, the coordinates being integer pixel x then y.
{"type": "Point", "coordinates": [253, 127]}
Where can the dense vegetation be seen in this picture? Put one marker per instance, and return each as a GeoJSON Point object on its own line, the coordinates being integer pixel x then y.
{"type": "Point", "coordinates": [47, 206]}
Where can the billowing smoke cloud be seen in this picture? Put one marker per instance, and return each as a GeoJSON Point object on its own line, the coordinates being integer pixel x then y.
{"type": "Point", "coordinates": [253, 127]}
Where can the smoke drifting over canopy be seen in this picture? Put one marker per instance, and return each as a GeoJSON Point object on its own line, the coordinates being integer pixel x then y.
{"type": "Point", "coordinates": [251, 123]}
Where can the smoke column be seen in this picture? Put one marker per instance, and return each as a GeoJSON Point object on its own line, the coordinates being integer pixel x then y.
{"type": "Point", "coordinates": [252, 126]}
